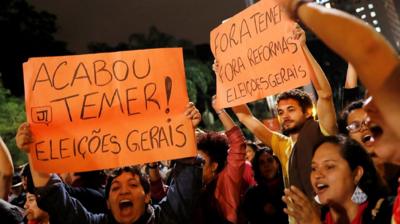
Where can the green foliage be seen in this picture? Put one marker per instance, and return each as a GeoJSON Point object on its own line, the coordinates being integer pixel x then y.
{"type": "Point", "coordinates": [25, 32]}
{"type": "Point", "coordinates": [12, 114]}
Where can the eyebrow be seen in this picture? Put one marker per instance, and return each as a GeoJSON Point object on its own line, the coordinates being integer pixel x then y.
{"type": "Point", "coordinates": [118, 182]}
{"type": "Point", "coordinates": [327, 160]}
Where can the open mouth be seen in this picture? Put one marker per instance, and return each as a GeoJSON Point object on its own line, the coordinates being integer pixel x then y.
{"type": "Point", "coordinates": [368, 140]}
{"type": "Point", "coordinates": [376, 131]}
{"type": "Point", "coordinates": [321, 188]}
{"type": "Point", "coordinates": [124, 204]}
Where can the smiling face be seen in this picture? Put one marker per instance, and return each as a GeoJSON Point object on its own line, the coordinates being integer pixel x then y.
{"type": "Point", "coordinates": [386, 141]}
{"type": "Point", "coordinates": [291, 116]}
{"type": "Point", "coordinates": [331, 176]}
{"type": "Point", "coordinates": [33, 212]}
{"type": "Point", "coordinates": [127, 198]}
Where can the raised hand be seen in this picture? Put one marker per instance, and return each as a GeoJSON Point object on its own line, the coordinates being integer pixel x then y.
{"type": "Point", "coordinates": [193, 114]}
{"type": "Point", "coordinates": [300, 207]}
{"type": "Point", "coordinates": [24, 137]}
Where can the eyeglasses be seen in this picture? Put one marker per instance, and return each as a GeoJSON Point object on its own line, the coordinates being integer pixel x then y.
{"type": "Point", "coordinates": [356, 126]}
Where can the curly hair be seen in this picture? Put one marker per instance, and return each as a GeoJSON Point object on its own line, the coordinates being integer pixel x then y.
{"type": "Point", "coordinates": [216, 146]}
{"type": "Point", "coordinates": [300, 96]}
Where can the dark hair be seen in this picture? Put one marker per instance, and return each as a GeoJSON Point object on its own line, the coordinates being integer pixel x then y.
{"type": "Point", "coordinates": [256, 163]}
{"type": "Point", "coordinates": [355, 155]}
{"type": "Point", "coordinates": [345, 114]}
{"type": "Point", "coordinates": [252, 145]}
{"type": "Point", "coordinates": [91, 179]}
{"type": "Point", "coordinates": [300, 96]}
{"type": "Point", "coordinates": [26, 172]}
{"type": "Point", "coordinates": [216, 146]}
{"type": "Point", "coordinates": [134, 170]}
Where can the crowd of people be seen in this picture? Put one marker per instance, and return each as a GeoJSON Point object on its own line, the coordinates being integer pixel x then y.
{"type": "Point", "coordinates": [317, 169]}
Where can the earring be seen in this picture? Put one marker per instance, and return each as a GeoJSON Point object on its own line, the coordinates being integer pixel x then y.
{"type": "Point", "coordinates": [359, 196]}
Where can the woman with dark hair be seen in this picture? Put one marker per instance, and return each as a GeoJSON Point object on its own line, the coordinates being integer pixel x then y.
{"type": "Point", "coordinates": [262, 203]}
{"type": "Point", "coordinates": [346, 182]}
{"type": "Point", "coordinates": [353, 122]}
{"type": "Point", "coordinates": [224, 155]}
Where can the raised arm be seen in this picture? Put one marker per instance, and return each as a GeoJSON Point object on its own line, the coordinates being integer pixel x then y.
{"type": "Point", "coordinates": [351, 77]}
{"type": "Point", "coordinates": [6, 170]}
{"type": "Point", "coordinates": [262, 132]}
{"type": "Point", "coordinates": [325, 107]}
{"type": "Point", "coordinates": [24, 139]}
{"type": "Point", "coordinates": [350, 91]}
{"type": "Point", "coordinates": [186, 183]}
{"type": "Point", "coordinates": [224, 117]}
{"type": "Point", "coordinates": [357, 42]}
{"type": "Point", "coordinates": [52, 195]}
{"type": "Point", "coordinates": [374, 59]}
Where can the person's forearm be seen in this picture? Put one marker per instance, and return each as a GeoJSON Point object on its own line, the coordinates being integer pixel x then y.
{"type": "Point", "coordinates": [225, 119]}
{"type": "Point", "coordinates": [39, 179]}
{"type": "Point", "coordinates": [318, 78]}
{"type": "Point", "coordinates": [6, 170]}
{"type": "Point", "coordinates": [351, 78]}
{"type": "Point", "coordinates": [354, 40]}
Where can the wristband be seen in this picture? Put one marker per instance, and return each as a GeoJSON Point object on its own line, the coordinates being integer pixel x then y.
{"type": "Point", "coordinates": [220, 112]}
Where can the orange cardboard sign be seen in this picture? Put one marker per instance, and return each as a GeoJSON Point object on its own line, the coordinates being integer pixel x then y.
{"type": "Point", "coordinates": [257, 55]}
{"type": "Point", "coordinates": [107, 110]}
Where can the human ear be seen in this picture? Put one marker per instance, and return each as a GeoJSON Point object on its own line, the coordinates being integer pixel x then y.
{"type": "Point", "coordinates": [357, 174]}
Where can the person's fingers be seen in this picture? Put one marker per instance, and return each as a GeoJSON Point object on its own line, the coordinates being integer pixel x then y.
{"type": "Point", "coordinates": [194, 112]}
{"type": "Point", "coordinates": [298, 196]}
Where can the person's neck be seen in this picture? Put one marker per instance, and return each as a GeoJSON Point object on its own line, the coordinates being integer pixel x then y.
{"type": "Point", "coordinates": [294, 136]}
{"type": "Point", "coordinates": [344, 213]}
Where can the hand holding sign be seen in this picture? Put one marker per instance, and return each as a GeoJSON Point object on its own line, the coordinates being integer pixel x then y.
{"type": "Point", "coordinates": [108, 110]}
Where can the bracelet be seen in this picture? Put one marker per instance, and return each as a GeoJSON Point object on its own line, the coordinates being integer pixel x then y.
{"type": "Point", "coordinates": [294, 10]}
{"type": "Point", "coordinates": [220, 112]}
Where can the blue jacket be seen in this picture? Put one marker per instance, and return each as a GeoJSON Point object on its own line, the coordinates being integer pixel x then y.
{"type": "Point", "coordinates": [176, 207]}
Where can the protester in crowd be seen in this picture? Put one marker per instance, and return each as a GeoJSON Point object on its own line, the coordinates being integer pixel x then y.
{"type": "Point", "coordinates": [224, 157]}
{"type": "Point", "coordinates": [375, 61]}
{"type": "Point", "coordinates": [6, 170]}
{"type": "Point", "coordinates": [10, 214]}
{"type": "Point", "coordinates": [127, 191]}
{"type": "Point", "coordinates": [251, 149]}
{"type": "Point", "coordinates": [34, 214]}
{"type": "Point", "coordinates": [345, 181]}
{"type": "Point", "coordinates": [262, 203]}
{"type": "Point", "coordinates": [295, 116]}
{"type": "Point", "coordinates": [354, 118]}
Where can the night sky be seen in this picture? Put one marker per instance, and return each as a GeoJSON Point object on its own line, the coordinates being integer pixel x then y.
{"type": "Point", "coordinates": [83, 21]}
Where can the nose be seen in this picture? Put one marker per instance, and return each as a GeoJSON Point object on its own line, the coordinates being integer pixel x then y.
{"type": "Point", "coordinates": [317, 174]}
